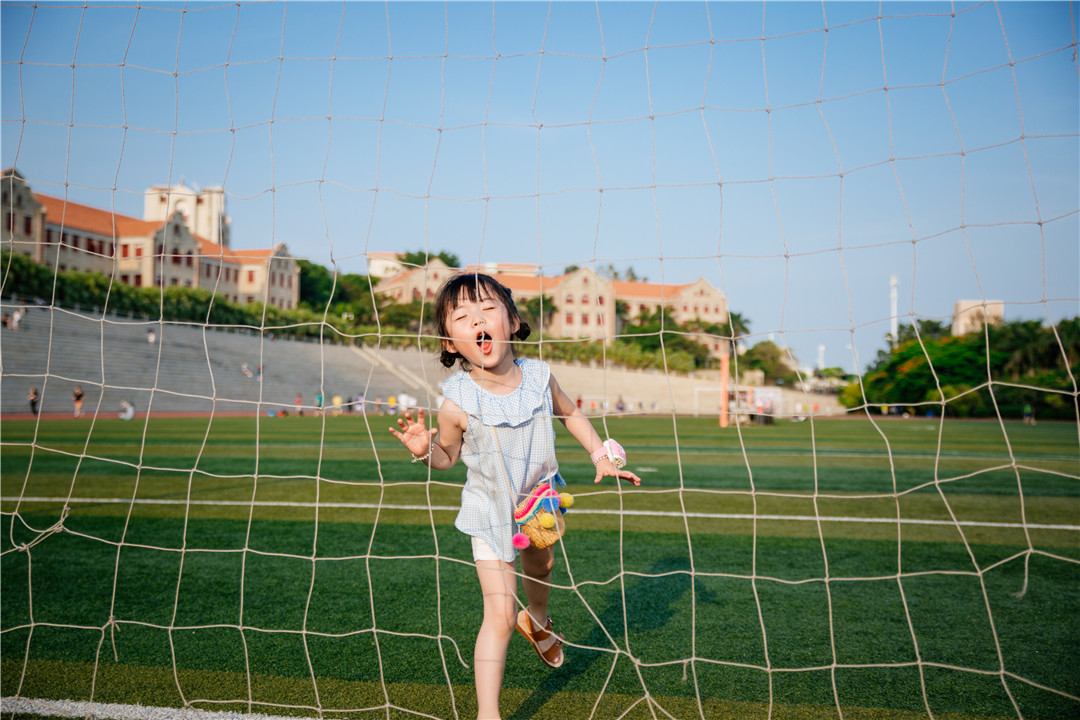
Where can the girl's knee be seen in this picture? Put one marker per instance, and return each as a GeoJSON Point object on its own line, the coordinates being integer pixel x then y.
{"type": "Point", "coordinates": [539, 563]}
{"type": "Point", "coordinates": [501, 619]}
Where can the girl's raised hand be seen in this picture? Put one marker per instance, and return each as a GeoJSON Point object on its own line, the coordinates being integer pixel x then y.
{"type": "Point", "coordinates": [415, 434]}
{"type": "Point", "coordinates": [605, 468]}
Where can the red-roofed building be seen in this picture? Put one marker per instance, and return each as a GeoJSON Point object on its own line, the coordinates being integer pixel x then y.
{"type": "Point", "coordinates": [584, 304]}
{"type": "Point", "coordinates": [159, 251]}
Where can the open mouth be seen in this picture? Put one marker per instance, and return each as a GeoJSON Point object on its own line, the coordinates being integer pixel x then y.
{"type": "Point", "coordinates": [484, 341]}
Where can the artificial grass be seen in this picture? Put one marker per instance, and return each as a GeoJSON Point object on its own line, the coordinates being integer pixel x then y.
{"type": "Point", "coordinates": [278, 608]}
{"type": "Point", "coordinates": [398, 613]}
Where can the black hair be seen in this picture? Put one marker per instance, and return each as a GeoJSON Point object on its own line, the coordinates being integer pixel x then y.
{"type": "Point", "coordinates": [470, 285]}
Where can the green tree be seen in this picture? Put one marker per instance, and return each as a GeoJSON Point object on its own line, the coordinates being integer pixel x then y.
{"type": "Point", "coordinates": [1025, 343]}
{"type": "Point", "coordinates": [851, 396]}
{"type": "Point", "coordinates": [927, 330]}
{"type": "Point", "coordinates": [738, 325]}
{"type": "Point", "coordinates": [404, 315]}
{"type": "Point", "coordinates": [419, 258]}
{"type": "Point", "coordinates": [771, 360]}
{"type": "Point", "coordinates": [613, 273]}
{"type": "Point", "coordinates": [658, 330]}
{"type": "Point", "coordinates": [1068, 333]}
{"type": "Point", "coordinates": [316, 285]}
{"type": "Point", "coordinates": [538, 311]}
{"type": "Point", "coordinates": [959, 400]}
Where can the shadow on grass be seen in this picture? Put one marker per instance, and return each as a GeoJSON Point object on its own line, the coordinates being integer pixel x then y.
{"type": "Point", "coordinates": [649, 606]}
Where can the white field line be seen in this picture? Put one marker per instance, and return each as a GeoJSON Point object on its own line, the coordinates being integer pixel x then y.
{"type": "Point", "coordinates": [117, 711]}
{"type": "Point", "coordinates": [576, 511]}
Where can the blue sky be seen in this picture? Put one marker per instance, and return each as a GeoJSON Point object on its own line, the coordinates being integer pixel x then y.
{"type": "Point", "coordinates": [796, 155]}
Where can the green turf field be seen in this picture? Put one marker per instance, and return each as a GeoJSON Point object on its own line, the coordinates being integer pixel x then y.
{"type": "Point", "coordinates": [279, 565]}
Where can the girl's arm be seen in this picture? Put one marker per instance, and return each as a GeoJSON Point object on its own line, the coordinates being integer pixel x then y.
{"type": "Point", "coordinates": [441, 454]}
{"type": "Point", "coordinates": [583, 431]}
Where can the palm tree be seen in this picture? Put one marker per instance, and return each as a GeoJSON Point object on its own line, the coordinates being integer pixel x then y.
{"type": "Point", "coordinates": [1068, 333]}
{"type": "Point", "coordinates": [1023, 342]}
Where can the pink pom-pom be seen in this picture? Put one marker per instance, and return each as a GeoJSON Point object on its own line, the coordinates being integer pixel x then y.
{"type": "Point", "coordinates": [521, 541]}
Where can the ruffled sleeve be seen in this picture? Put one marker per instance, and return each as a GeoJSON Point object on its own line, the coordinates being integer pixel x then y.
{"type": "Point", "coordinates": [513, 410]}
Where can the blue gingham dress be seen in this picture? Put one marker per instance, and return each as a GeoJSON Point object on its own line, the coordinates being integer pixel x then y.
{"type": "Point", "coordinates": [520, 424]}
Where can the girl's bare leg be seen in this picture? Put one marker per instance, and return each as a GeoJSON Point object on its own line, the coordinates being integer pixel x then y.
{"type": "Point", "coordinates": [536, 568]}
{"type": "Point", "coordinates": [499, 586]}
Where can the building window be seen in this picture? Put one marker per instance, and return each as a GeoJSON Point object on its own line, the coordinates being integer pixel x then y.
{"type": "Point", "coordinates": [9, 221]}
{"type": "Point", "coordinates": [124, 279]}
{"type": "Point", "coordinates": [138, 281]}
{"type": "Point", "coordinates": [124, 249]}
{"type": "Point", "coordinates": [569, 299]}
{"type": "Point", "coordinates": [600, 299]}
{"type": "Point", "coordinates": [569, 318]}
{"type": "Point", "coordinates": [189, 259]}
{"type": "Point", "coordinates": [138, 251]}
{"type": "Point", "coordinates": [28, 225]}
{"type": "Point", "coordinates": [251, 277]}
{"type": "Point", "coordinates": [584, 299]}
{"type": "Point", "coordinates": [584, 318]}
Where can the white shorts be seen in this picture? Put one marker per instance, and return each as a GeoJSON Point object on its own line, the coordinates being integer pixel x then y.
{"type": "Point", "coordinates": [482, 551]}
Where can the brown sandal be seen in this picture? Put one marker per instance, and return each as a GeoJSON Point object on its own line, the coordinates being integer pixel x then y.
{"type": "Point", "coordinates": [552, 655]}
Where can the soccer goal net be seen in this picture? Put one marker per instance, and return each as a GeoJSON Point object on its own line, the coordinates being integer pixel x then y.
{"type": "Point", "coordinates": [814, 265]}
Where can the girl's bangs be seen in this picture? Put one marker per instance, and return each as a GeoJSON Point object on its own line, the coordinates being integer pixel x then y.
{"type": "Point", "coordinates": [472, 288]}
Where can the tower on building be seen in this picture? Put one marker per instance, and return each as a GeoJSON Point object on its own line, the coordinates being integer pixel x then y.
{"type": "Point", "coordinates": [203, 210]}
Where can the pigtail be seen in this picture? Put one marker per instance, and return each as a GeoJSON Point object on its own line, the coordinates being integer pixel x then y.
{"type": "Point", "coordinates": [448, 358]}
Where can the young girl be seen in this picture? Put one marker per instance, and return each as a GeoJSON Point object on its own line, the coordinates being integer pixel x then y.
{"type": "Point", "coordinates": [496, 417]}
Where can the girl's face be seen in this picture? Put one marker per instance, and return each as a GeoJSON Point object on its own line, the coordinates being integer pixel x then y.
{"type": "Point", "coordinates": [480, 331]}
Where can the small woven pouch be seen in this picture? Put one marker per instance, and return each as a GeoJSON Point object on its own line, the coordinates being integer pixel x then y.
{"type": "Point", "coordinates": [539, 516]}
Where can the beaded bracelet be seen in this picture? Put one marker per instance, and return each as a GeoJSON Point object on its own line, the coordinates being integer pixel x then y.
{"type": "Point", "coordinates": [611, 450]}
{"type": "Point", "coordinates": [421, 458]}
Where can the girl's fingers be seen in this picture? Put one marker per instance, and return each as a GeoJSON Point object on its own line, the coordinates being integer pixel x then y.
{"type": "Point", "coordinates": [623, 474]}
